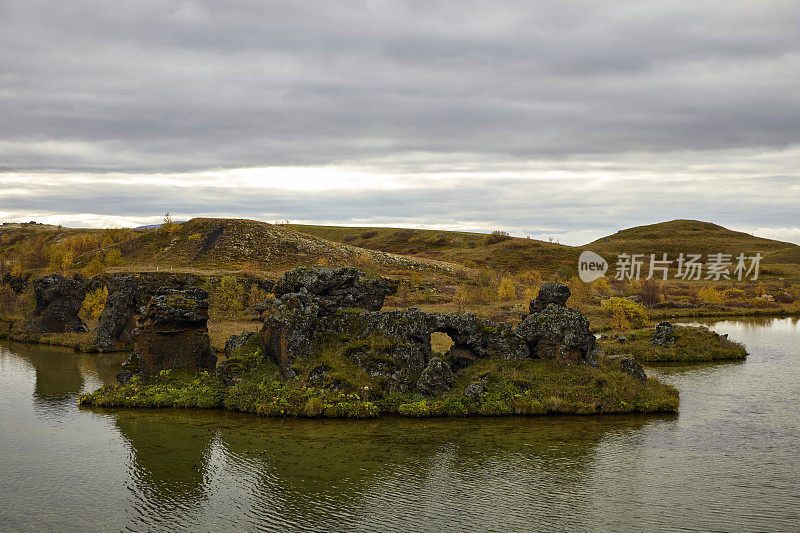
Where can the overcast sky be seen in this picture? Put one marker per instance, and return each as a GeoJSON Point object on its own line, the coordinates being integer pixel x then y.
{"type": "Point", "coordinates": [567, 119]}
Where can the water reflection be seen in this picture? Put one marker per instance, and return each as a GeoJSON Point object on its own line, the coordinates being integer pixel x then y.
{"type": "Point", "coordinates": [62, 373]}
{"type": "Point", "coordinates": [323, 474]}
{"type": "Point", "coordinates": [728, 461]}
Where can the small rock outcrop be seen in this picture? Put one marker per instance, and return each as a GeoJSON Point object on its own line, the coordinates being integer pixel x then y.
{"type": "Point", "coordinates": [474, 390]}
{"type": "Point", "coordinates": [550, 293]}
{"type": "Point", "coordinates": [664, 335]}
{"type": "Point", "coordinates": [335, 288]}
{"type": "Point", "coordinates": [58, 301]}
{"type": "Point", "coordinates": [630, 366]}
{"type": "Point", "coordinates": [554, 331]}
{"type": "Point", "coordinates": [118, 320]}
{"type": "Point", "coordinates": [436, 378]}
{"type": "Point", "coordinates": [173, 333]}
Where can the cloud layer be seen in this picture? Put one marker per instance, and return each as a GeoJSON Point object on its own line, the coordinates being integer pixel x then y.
{"type": "Point", "coordinates": [562, 118]}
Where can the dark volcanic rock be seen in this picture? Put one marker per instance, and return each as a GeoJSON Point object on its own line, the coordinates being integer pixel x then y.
{"type": "Point", "coordinates": [58, 301]}
{"type": "Point", "coordinates": [559, 333]}
{"type": "Point", "coordinates": [474, 390]}
{"type": "Point", "coordinates": [319, 307]}
{"type": "Point", "coordinates": [630, 366]}
{"type": "Point", "coordinates": [436, 379]}
{"type": "Point", "coordinates": [664, 334]}
{"type": "Point", "coordinates": [118, 320]}
{"type": "Point", "coordinates": [243, 344]}
{"type": "Point", "coordinates": [335, 288]}
{"type": "Point", "coordinates": [173, 333]}
{"type": "Point", "coordinates": [550, 293]}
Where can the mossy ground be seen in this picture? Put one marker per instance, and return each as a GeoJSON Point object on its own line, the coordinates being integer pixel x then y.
{"type": "Point", "coordinates": [528, 387]}
{"type": "Point", "coordinates": [692, 344]}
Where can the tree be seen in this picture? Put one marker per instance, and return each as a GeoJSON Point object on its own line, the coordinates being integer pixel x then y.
{"type": "Point", "coordinates": [506, 290]}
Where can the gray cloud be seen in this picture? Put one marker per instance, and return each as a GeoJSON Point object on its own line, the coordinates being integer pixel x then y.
{"type": "Point", "coordinates": [556, 118]}
{"type": "Point", "coordinates": [180, 85]}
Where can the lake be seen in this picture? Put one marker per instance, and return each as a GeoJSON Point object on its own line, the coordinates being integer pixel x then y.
{"type": "Point", "coordinates": [729, 461]}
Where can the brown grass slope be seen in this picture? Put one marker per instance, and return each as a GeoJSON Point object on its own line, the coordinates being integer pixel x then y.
{"type": "Point", "coordinates": [235, 244]}
{"type": "Point", "coordinates": [474, 249]}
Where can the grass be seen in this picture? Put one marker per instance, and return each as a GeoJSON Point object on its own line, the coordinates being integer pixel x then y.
{"type": "Point", "coordinates": [220, 330]}
{"type": "Point", "coordinates": [692, 344]}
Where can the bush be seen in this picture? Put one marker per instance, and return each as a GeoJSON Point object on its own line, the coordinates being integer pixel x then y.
{"type": "Point", "coordinates": [195, 237]}
{"type": "Point", "coordinates": [436, 240]}
{"type": "Point", "coordinates": [95, 267]}
{"type": "Point", "coordinates": [506, 290]}
{"type": "Point", "coordinates": [650, 292]}
{"type": "Point", "coordinates": [579, 292]}
{"type": "Point", "coordinates": [601, 288]}
{"type": "Point", "coordinates": [369, 234]}
{"type": "Point", "coordinates": [709, 295]}
{"type": "Point", "coordinates": [93, 304]}
{"type": "Point", "coordinates": [227, 298]}
{"type": "Point", "coordinates": [497, 236]}
{"type": "Point", "coordinates": [114, 258]}
{"type": "Point", "coordinates": [624, 313]}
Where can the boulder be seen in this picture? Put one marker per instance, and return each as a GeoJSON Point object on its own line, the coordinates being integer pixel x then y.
{"type": "Point", "coordinates": [436, 378]}
{"type": "Point", "coordinates": [58, 301]}
{"type": "Point", "coordinates": [630, 366]}
{"type": "Point", "coordinates": [474, 390]}
{"type": "Point", "coordinates": [242, 345]}
{"type": "Point", "coordinates": [664, 335]}
{"type": "Point", "coordinates": [559, 333]}
{"type": "Point", "coordinates": [550, 293]}
{"type": "Point", "coordinates": [118, 320]}
{"type": "Point", "coordinates": [173, 333]}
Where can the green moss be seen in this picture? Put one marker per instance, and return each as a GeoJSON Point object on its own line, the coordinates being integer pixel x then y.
{"type": "Point", "coordinates": [692, 344]}
{"type": "Point", "coordinates": [168, 388]}
{"type": "Point", "coordinates": [527, 387]}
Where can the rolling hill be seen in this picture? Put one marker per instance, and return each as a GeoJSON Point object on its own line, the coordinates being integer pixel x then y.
{"type": "Point", "coordinates": [233, 244]}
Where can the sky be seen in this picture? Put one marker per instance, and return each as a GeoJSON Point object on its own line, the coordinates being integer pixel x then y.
{"type": "Point", "coordinates": [562, 120]}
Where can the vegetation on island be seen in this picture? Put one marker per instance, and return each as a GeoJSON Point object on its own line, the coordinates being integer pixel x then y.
{"type": "Point", "coordinates": [687, 344]}
{"type": "Point", "coordinates": [504, 387]}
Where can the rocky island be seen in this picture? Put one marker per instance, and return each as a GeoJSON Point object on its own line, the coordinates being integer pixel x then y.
{"type": "Point", "coordinates": [667, 342]}
{"type": "Point", "coordinates": [327, 349]}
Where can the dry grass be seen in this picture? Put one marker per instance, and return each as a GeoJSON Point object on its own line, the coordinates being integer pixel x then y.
{"type": "Point", "coordinates": [220, 331]}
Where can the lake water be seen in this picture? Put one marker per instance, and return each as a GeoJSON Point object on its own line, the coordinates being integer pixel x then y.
{"type": "Point", "coordinates": [729, 461]}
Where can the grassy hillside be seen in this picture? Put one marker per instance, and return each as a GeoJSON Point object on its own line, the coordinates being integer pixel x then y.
{"type": "Point", "coordinates": [687, 236]}
{"type": "Point", "coordinates": [504, 254]}
{"type": "Point", "coordinates": [236, 244]}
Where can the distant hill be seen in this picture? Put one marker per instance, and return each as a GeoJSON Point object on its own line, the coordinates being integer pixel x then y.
{"type": "Point", "coordinates": [509, 254]}
{"type": "Point", "coordinates": [235, 244]}
{"type": "Point", "coordinates": [687, 236]}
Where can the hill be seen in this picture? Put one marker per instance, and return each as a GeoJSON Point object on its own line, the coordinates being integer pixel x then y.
{"type": "Point", "coordinates": [238, 244]}
{"type": "Point", "coordinates": [685, 236]}
{"type": "Point", "coordinates": [498, 252]}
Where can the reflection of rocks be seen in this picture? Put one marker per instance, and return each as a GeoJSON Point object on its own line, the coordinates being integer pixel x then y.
{"type": "Point", "coordinates": [58, 301]}
{"type": "Point", "coordinates": [169, 456]}
{"type": "Point", "coordinates": [61, 373]}
{"type": "Point", "coordinates": [117, 321]}
{"type": "Point", "coordinates": [664, 334]}
{"type": "Point", "coordinates": [173, 333]}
